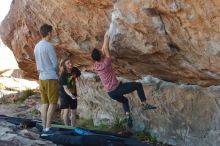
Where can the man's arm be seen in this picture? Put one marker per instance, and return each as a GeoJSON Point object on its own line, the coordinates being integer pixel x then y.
{"type": "Point", "coordinates": [66, 89]}
{"type": "Point", "coordinates": [105, 46]}
{"type": "Point", "coordinates": [36, 59]}
{"type": "Point", "coordinates": [53, 57]}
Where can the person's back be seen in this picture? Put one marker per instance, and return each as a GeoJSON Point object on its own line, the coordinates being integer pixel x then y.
{"type": "Point", "coordinates": [45, 60]}
{"type": "Point", "coordinates": [106, 74]}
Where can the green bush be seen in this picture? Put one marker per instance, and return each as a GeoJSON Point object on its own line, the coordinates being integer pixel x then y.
{"type": "Point", "coordinates": [102, 127]}
{"type": "Point", "coordinates": [3, 100]}
{"type": "Point", "coordinates": [142, 136]}
{"type": "Point", "coordinates": [10, 89]}
{"type": "Point", "coordinates": [118, 124]}
{"type": "Point", "coordinates": [35, 112]}
{"type": "Point", "coordinates": [85, 123]}
{"type": "Point", "coordinates": [2, 87]}
{"type": "Point", "coordinates": [24, 95]}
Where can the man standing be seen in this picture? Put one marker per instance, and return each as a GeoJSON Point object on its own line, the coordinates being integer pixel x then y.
{"type": "Point", "coordinates": [46, 61]}
{"type": "Point", "coordinates": [115, 89]}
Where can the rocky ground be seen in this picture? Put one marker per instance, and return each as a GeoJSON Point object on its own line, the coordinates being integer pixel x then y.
{"type": "Point", "coordinates": [20, 98]}
{"type": "Point", "coordinates": [17, 100]}
{"type": "Point", "coordinates": [11, 135]}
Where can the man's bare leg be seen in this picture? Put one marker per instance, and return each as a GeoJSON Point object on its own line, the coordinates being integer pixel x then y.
{"type": "Point", "coordinates": [65, 116]}
{"type": "Point", "coordinates": [44, 108]}
{"type": "Point", "coordinates": [73, 118]}
{"type": "Point", "coordinates": [50, 113]}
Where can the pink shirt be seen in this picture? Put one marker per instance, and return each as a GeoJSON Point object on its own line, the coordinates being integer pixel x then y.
{"type": "Point", "coordinates": [106, 74]}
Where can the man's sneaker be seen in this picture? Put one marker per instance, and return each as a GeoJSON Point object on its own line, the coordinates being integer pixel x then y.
{"type": "Point", "coordinates": [129, 122]}
{"type": "Point", "coordinates": [46, 133]}
{"type": "Point", "coordinates": [148, 107]}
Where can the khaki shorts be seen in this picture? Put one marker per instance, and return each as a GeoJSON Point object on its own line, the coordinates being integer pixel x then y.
{"type": "Point", "coordinates": [49, 91]}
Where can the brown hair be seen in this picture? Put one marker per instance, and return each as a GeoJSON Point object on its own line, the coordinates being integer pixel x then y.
{"type": "Point", "coordinates": [62, 68]}
{"type": "Point", "coordinates": [45, 29]}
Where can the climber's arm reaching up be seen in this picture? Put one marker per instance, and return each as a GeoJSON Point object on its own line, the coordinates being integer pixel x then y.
{"type": "Point", "coordinates": [105, 46]}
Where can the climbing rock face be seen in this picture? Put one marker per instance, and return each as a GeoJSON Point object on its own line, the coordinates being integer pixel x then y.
{"type": "Point", "coordinates": [78, 26]}
{"type": "Point", "coordinates": [175, 41]}
{"type": "Point", "coordinates": [186, 115]}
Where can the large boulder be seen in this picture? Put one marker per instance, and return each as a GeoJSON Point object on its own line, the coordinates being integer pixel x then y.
{"type": "Point", "coordinates": [175, 41]}
{"type": "Point", "coordinates": [186, 115]}
{"type": "Point", "coordinates": [78, 27]}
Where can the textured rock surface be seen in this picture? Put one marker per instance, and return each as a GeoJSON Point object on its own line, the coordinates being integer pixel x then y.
{"type": "Point", "coordinates": [78, 27]}
{"type": "Point", "coordinates": [176, 41]}
{"type": "Point", "coordinates": [173, 40]}
{"type": "Point", "coordinates": [187, 115]}
{"type": "Point", "coordinates": [12, 136]}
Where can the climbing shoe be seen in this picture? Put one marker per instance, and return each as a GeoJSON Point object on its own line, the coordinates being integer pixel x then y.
{"type": "Point", "coordinates": [148, 107]}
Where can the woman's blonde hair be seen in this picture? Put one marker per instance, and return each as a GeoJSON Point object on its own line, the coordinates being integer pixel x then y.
{"type": "Point", "coordinates": [62, 68]}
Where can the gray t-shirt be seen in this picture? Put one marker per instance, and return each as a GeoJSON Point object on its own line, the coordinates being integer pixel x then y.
{"type": "Point", "coordinates": [46, 60]}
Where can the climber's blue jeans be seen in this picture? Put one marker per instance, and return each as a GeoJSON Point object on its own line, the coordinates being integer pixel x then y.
{"type": "Point", "coordinates": [125, 88]}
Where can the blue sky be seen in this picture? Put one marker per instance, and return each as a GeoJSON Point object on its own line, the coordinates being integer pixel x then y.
{"type": "Point", "coordinates": [6, 53]}
{"type": "Point", "coordinates": [4, 8]}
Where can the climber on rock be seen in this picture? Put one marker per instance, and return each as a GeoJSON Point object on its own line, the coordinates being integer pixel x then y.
{"type": "Point", "coordinates": [116, 89]}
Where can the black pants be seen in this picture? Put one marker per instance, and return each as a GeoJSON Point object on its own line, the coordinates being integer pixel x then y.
{"type": "Point", "coordinates": [67, 102]}
{"type": "Point", "coordinates": [125, 88]}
